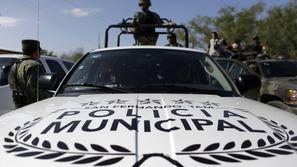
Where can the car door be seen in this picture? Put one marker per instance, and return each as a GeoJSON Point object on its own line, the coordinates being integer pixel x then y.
{"type": "Point", "coordinates": [233, 68]}
{"type": "Point", "coordinates": [55, 67]}
{"type": "Point", "coordinates": [236, 70]}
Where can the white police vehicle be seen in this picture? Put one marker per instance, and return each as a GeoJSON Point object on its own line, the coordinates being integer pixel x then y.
{"type": "Point", "coordinates": [147, 106]}
{"type": "Point", "coordinates": [49, 64]}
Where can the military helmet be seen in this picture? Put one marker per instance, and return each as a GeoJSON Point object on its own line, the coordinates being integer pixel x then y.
{"type": "Point", "coordinates": [145, 1]}
{"type": "Point", "coordinates": [30, 45]}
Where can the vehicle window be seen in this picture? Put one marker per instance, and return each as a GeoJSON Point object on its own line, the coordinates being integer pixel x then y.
{"type": "Point", "coordinates": [216, 78]}
{"type": "Point", "coordinates": [224, 64]}
{"type": "Point", "coordinates": [134, 69]}
{"type": "Point", "coordinates": [235, 71]}
{"type": "Point", "coordinates": [253, 66]}
{"type": "Point", "coordinates": [56, 68]}
{"type": "Point", "coordinates": [67, 64]}
{"type": "Point", "coordinates": [5, 64]}
{"type": "Point", "coordinates": [230, 66]}
{"type": "Point", "coordinates": [279, 69]}
{"type": "Point", "coordinates": [41, 69]}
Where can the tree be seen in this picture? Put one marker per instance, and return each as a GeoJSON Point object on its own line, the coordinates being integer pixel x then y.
{"type": "Point", "coordinates": [230, 24]}
{"type": "Point", "coordinates": [277, 28]}
{"type": "Point", "coordinates": [48, 53]}
{"type": "Point", "coordinates": [239, 25]}
{"type": "Point", "coordinates": [199, 29]}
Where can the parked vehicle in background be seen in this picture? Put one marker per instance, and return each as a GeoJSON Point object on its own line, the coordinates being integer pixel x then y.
{"type": "Point", "coordinates": [49, 64]}
{"type": "Point", "coordinates": [279, 82]}
{"type": "Point", "coordinates": [278, 78]}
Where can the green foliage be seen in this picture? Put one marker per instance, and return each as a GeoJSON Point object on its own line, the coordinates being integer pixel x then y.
{"type": "Point", "coordinates": [199, 28]}
{"type": "Point", "coordinates": [238, 25]}
{"type": "Point", "coordinates": [48, 53]}
{"type": "Point", "coordinates": [277, 28]}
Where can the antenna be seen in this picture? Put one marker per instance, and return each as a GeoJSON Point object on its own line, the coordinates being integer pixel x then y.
{"type": "Point", "coordinates": [38, 51]}
{"type": "Point", "coordinates": [99, 46]}
{"type": "Point", "coordinates": [38, 19]}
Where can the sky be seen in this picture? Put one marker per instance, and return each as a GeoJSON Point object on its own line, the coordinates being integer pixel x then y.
{"type": "Point", "coordinates": [63, 26]}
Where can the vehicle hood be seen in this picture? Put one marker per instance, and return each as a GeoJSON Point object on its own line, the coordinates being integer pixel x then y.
{"type": "Point", "coordinates": [278, 86]}
{"type": "Point", "coordinates": [285, 81]}
{"type": "Point", "coordinates": [124, 130]}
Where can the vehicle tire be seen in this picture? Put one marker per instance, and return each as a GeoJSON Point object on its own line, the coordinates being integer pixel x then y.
{"type": "Point", "coordinates": [280, 105]}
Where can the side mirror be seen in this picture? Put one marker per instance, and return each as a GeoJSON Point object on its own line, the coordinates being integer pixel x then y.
{"type": "Point", "coordinates": [6, 69]}
{"type": "Point", "coordinates": [247, 82]}
{"type": "Point", "coordinates": [48, 81]}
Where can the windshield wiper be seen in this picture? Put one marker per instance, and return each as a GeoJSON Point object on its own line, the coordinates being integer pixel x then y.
{"type": "Point", "coordinates": [180, 88]}
{"type": "Point", "coordinates": [168, 87]}
{"type": "Point", "coordinates": [99, 87]}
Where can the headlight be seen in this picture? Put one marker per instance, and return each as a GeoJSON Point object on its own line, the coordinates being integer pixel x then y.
{"type": "Point", "coordinates": [291, 96]}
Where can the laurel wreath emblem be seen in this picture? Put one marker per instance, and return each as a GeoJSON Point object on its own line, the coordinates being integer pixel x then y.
{"type": "Point", "coordinates": [23, 144]}
{"type": "Point", "coordinates": [17, 139]}
{"type": "Point", "coordinates": [283, 142]}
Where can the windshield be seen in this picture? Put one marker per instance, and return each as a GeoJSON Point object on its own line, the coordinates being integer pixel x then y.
{"type": "Point", "coordinates": [147, 71]}
{"type": "Point", "coordinates": [279, 69]}
{"type": "Point", "coordinates": [5, 63]}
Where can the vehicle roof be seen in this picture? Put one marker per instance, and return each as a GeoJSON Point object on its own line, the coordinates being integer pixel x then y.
{"type": "Point", "coordinates": [42, 57]}
{"type": "Point", "coordinates": [273, 60]}
{"type": "Point", "coordinates": [149, 47]}
{"type": "Point", "coordinates": [228, 59]}
{"type": "Point", "coordinates": [53, 57]}
{"type": "Point", "coordinates": [10, 55]}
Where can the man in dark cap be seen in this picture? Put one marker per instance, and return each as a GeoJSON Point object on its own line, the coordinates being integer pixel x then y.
{"type": "Point", "coordinates": [23, 75]}
{"type": "Point", "coordinates": [171, 37]}
{"type": "Point", "coordinates": [257, 45]}
{"type": "Point", "coordinates": [146, 36]}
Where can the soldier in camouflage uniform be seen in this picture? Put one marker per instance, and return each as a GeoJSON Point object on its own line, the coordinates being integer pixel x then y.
{"type": "Point", "coordinates": [146, 36]}
{"type": "Point", "coordinates": [23, 75]}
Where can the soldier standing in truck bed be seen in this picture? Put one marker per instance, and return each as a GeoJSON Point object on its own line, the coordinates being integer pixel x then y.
{"type": "Point", "coordinates": [146, 36]}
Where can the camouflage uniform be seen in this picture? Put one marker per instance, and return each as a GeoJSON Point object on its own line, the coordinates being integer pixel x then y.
{"type": "Point", "coordinates": [146, 36]}
{"type": "Point", "coordinates": [23, 80]}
